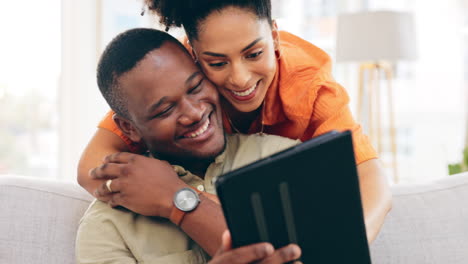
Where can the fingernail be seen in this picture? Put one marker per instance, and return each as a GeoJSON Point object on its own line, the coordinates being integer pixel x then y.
{"type": "Point", "coordinates": [292, 251]}
{"type": "Point", "coordinates": [269, 249]}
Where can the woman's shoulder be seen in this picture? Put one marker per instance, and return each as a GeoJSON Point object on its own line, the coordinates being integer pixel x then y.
{"type": "Point", "coordinates": [298, 54]}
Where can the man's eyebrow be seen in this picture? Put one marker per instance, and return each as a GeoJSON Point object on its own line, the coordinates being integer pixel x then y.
{"type": "Point", "coordinates": [244, 49]}
{"type": "Point", "coordinates": [214, 54]}
{"type": "Point", "coordinates": [191, 77]}
{"type": "Point", "coordinates": [158, 104]}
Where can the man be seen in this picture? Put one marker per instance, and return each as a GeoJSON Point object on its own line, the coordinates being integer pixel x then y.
{"type": "Point", "coordinates": [161, 98]}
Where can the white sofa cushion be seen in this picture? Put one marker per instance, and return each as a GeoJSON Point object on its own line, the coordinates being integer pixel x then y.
{"type": "Point", "coordinates": [427, 224]}
{"type": "Point", "coordinates": [39, 219]}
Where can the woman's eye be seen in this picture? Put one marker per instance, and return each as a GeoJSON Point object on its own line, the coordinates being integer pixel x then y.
{"type": "Point", "coordinates": [254, 55]}
{"type": "Point", "coordinates": [219, 64]}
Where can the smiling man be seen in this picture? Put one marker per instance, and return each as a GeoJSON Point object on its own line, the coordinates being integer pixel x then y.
{"type": "Point", "coordinates": [161, 98]}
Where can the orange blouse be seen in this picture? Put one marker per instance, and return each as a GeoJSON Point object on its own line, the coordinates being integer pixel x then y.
{"type": "Point", "coordinates": [303, 101]}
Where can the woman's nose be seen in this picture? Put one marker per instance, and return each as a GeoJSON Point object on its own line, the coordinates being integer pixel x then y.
{"type": "Point", "coordinates": [239, 76]}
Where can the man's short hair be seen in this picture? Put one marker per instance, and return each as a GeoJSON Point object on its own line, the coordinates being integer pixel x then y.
{"type": "Point", "coordinates": [121, 55]}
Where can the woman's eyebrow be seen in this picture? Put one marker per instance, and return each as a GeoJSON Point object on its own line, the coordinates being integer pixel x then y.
{"type": "Point", "coordinates": [251, 44]}
{"type": "Point", "coordinates": [244, 49]}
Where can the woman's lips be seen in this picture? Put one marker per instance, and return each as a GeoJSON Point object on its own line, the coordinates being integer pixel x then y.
{"type": "Point", "coordinates": [246, 94]}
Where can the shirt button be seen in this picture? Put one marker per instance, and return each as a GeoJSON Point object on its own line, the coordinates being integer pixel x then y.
{"type": "Point", "coordinates": [200, 188]}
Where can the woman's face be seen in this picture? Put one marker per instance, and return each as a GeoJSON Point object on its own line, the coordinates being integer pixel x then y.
{"type": "Point", "coordinates": [237, 53]}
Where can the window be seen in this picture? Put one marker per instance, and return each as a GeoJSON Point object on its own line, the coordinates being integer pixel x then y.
{"type": "Point", "coordinates": [430, 94]}
{"type": "Point", "coordinates": [30, 68]}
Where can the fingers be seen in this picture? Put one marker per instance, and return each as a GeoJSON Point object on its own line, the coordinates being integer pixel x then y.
{"type": "Point", "coordinates": [116, 200]}
{"type": "Point", "coordinates": [120, 157]}
{"type": "Point", "coordinates": [107, 171]}
{"type": "Point", "coordinates": [226, 243]}
{"type": "Point", "coordinates": [283, 255]}
{"type": "Point", "coordinates": [103, 191]}
{"type": "Point", "coordinates": [245, 254]}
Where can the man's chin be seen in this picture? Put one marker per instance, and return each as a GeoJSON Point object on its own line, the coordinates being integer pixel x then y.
{"type": "Point", "coordinates": [205, 153]}
{"type": "Point", "coordinates": [208, 153]}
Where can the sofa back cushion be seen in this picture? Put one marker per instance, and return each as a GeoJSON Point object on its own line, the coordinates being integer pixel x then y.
{"type": "Point", "coordinates": [39, 220]}
{"type": "Point", "coordinates": [427, 224]}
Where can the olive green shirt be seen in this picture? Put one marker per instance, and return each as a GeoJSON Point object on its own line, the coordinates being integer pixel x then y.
{"type": "Point", "coordinates": [108, 235]}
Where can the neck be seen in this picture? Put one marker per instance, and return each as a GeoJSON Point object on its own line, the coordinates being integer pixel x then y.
{"type": "Point", "coordinates": [194, 165]}
{"type": "Point", "coordinates": [240, 120]}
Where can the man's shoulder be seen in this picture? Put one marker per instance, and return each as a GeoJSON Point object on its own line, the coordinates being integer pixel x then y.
{"type": "Point", "coordinates": [101, 212]}
{"type": "Point", "coordinates": [257, 146]}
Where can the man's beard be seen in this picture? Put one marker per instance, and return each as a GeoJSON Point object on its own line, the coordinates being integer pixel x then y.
{"type": "Point", "coordinates": [189, 157]}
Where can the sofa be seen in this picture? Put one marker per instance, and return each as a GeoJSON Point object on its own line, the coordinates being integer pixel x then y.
{"type": "Point", "coordinates": [428, 223]}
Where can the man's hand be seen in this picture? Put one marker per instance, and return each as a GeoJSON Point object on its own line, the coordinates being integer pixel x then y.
{"type": "Point", "coordinates": [143, 185]}
{"type": "Point", "coordinates": [263, 253]}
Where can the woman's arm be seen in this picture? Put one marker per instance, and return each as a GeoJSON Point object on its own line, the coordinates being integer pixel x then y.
{"type": "Point", "coordinates": [375, 195]}
{"type": "Point", "coordinates": [103, 143]}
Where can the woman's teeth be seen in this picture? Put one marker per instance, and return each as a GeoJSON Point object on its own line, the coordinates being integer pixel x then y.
{"type": "Point", "coordinates": [200, 131]}
{"type": "Point", "coordinates": [246, 92]}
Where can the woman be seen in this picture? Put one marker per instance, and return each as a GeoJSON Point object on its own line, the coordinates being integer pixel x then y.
{"type": "Point", "coordinates": [270, 81]}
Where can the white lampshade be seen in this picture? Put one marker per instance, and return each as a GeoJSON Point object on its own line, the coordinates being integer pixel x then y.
{"type": "Point", "coordinates": [375, 36]}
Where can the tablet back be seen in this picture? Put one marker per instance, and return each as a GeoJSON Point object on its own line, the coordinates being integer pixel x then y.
{"type": "Point", "coordinates": [307, 194]}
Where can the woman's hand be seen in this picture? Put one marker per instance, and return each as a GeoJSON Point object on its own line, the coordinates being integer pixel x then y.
{"type": "Point", "coordinates": [143, 185]}
{"type": "Point", "coordinates": [263, 253]}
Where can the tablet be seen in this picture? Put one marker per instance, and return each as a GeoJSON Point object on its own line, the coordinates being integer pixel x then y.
{"type": "Point", "coordinates": [307, 195]}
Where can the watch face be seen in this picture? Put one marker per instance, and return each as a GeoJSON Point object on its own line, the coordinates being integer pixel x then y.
{"type": "Point", "coordinates": [186, 199]}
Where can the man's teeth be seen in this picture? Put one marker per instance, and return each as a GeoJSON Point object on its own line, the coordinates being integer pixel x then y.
{"type": "Point", "coordinates": [201, 130]}
{"type": "Point", "coordinates": [246, 92]}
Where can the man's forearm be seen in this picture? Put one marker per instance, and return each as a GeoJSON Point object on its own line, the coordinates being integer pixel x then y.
{"type": "Point", "coordinates": [376, 196]}
{"type": "Point", "coordinates": [205, 225]}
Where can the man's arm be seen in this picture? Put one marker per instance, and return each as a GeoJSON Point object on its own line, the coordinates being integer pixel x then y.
{"type": "Point", "coordinates": [140, 186]}
{"type": "Point", "coordinates": [375, 195]}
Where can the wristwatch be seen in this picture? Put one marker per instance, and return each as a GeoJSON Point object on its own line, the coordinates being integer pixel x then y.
{"type": "Point", "coordinates": [185, 200]}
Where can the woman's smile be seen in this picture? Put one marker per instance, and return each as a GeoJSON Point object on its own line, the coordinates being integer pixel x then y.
{"type": "Point", "coordinates": [246, 94]}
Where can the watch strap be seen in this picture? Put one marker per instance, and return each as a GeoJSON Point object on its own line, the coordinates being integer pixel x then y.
{"type": "Point", "coordinates": [177, 215]}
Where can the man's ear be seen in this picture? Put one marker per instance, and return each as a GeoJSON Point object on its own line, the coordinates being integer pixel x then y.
{"type": "Point", "coordinates": [275, 35]}
{"type": "Point", "coordinates": [127, 127]}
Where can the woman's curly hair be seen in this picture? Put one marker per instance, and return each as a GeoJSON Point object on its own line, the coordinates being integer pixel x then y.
{"type": "Point", "coordinates": [189, 13]}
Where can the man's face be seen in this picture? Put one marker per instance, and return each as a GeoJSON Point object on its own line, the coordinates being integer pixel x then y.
{"type": "Point", "coordinates": [173, 108]}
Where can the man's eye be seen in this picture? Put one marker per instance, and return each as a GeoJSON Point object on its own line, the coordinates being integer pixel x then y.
{"type": "Point", "coordinates": [219, 64]}
{"type": "Point", "coordinates": [197, 87]}
{"type": "Point", "coordinates": [254, 55]}
{"type": "Point", "coordinates": [165, 112]}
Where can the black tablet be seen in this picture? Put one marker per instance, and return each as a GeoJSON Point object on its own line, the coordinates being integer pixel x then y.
{"type": "Point", "coordinates": [307, 194]}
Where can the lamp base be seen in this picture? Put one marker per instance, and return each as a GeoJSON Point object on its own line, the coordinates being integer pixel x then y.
{"type": "Point", "coordinates": [370, 77]}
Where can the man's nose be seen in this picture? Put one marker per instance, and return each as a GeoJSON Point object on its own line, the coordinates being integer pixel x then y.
{"type": "Point", "coordinates": [191, 112]}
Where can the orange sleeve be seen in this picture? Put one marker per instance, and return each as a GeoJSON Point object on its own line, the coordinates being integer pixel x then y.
{"type": "Point", "coordinates": [331, 112]}
{"type": "Point", "coordinates": [108, 123]}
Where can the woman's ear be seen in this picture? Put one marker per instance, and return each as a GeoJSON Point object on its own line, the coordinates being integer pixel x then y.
{"type": "Point", "coordinates": [127, 127]}
{"type": "Point", "coordinates": [275, 35]}
{"type": "Point", "coordinates": [192, 51]}
{"type": "Point", "coordinates": [194, 55]}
